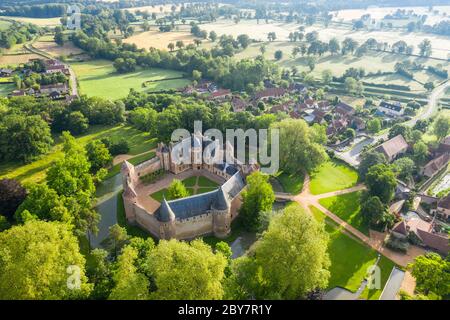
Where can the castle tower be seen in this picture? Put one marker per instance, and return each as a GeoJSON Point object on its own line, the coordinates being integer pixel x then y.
{"type": "Point", "coordinates": [197, 152]}
{"type": "Point", "coordinates": [221, 215]}
{"type": "Point", "coordinates": [166, 218]}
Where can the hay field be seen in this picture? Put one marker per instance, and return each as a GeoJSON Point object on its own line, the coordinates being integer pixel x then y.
{"type": "Point", "coordinates": [440, 44]}
{"type": "Point", "coordinates": [41, 22]}
{"type": "Point", "coordinates": [46, 43]}
{"type": "Point", "coordinates": [159, 40]}
{"type": "Point", "coordinates": [379, 13]}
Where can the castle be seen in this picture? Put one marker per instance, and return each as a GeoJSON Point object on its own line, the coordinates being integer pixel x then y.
{"type": "Point", "coordinates": [193, 216]}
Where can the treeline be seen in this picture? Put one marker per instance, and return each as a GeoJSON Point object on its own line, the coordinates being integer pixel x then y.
{"type": "Point", "coordinates": [18, 33]}
{"type": "Point", "coordinates": [27, 123]}
{"type": "Point", "coordinates": [236, 75]}
{"type": "Point", "coordinates": [36, 11]}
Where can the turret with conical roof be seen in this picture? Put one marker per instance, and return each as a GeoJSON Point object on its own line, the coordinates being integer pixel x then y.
{"type": "Point", "coordinates": [165, 213]}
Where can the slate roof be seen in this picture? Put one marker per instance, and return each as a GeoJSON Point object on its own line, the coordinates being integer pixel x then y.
{"type": "Point", "coordinates": [395, 106]}
{"type": "Point", "coordinates": [196, 205]}
{"type": "Point", "coordinates": [344, 109]}
{"type": "Point", "coordinates": [444, 203]}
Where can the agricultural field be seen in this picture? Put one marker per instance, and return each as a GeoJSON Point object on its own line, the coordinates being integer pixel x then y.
{"type": "Point", "coordinates": [159, 40]}
{"type": "Point", "coordinates": [35, 172]}
{"type": "Point", "coordinates": [41, 22]}
{"type": "Point", "coordinates": [379, 13]}
{"type": "Point", "coordinates": [350, 259]}
{"type": "Point", "coordinates": [4, 25]}
{"type": "Point", "coordinates": [98, 78]}
{"type": "Point", "coordinates": [47, 44]}
{"type": "Point", "coordinates": [440, 44]}
{"type": "Point", "coordinates": [6, 88]}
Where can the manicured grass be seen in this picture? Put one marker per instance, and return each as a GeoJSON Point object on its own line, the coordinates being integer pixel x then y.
{"type": "Point", "coordinates": [35, 171]}
{"type": "Point", "coordinates": [134, 161]}
{"type": "Point", "coordinates": [205, 190]}
{"type": "Point", "coordinates": [291, 183]}
{"type": "Point", "coordinates": [332, 176]}
{"type": "Point", "coordinates": [159, 195]}
{"type": "Point", "coordinates": [205, 182]}
{"type": "Point", "coordinates": [347, 207]}
{"type": "Point", "coordinates": [133, 231]}
{"type": "Point", "coordinates": [99, 78]}
{"type": "Point", "coordinates": [190, 182]}
{"type": "Point", "coordinates": [350, 259]}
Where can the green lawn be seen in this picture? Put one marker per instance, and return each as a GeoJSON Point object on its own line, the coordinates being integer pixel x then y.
{"type": "Point", "coordinates": [205, 182]}
{"type": "Point", "coordinates": [332, 176]}
{"type": "Point", "coordinates": [190, 182]}
{"type": "Point", "coordinates": [98, 78]}
{"type": "Point", "coordinates": [291, 183]}
{"type": "Point", "coordinates": [35, 171]}
{"type": "Point", "coordinates": [347, 207]}
{"type": "Point", "coordinates": [350, 259]}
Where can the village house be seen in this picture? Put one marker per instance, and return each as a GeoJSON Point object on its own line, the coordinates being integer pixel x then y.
{"type": "Point", "coordinates": [6, 72]}
{"type": "Point", "coordinates": [444, 146]}
{"type": "Point", "coordinates": [220, 94]}
{"type": "Point", "coordinates": [393, 147]}
{"type": "Point", "coordinates": [435, 165]}
{"type": "Point", "coordinates": [57, 68]}
{"type": "Point", "coordinates": [298, 88]}
{"type": "Point", "coordinates": [422, 231]}
{"type": "Point", "coordinates": [268, 93]}
{"type": "Point", "coordinates": [60, 88]}
{"type": "Point", "coordinates": [358, 123]}
{"type": "Point", "coordinates": [443, 207]}
{"type": "Point", "coordinates": [344, 110]}
{"type": "Point", "coordinates": [393, 109]}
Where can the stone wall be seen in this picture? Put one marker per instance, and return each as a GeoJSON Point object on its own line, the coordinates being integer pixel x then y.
{"type": "Point", "coordinates": [148, 166]}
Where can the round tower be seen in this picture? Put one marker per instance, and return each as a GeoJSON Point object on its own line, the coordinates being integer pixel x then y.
{"type": "Point", "coordinates": [221, 215]}
{"type": "Point", "coordinates": [166, 217]}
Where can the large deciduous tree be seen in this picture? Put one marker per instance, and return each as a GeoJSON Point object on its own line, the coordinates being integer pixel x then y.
{"type": "Point", "coordinates": [381, 182]}
{"type": "Point", "coordinates": [257, 198]}
{"type": "Point", "coordinates": [288, 262]}
{"type": "Point", "coordinates": [432, 274]}
{"type": "Point", "coordinates": [299, 149]}
{"type": "Point", "coordinates": [41, 260]}
{"type": "Point", "coordinates": [186, 271]}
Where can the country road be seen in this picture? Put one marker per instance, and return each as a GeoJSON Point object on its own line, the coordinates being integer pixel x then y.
{"type": "Point", "coordinates": [352, 156]}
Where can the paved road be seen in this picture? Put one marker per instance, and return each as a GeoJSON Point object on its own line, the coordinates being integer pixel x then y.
{"type": "Point", "coordinates": [352, 156]}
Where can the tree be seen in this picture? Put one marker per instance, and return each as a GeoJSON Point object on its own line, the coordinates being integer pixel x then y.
{"type": "Point", "coordinates": [43, 203]}
{"type": "Point", "coordinates": [41, 260]}
{"type": "Point", "coordinates": [263, 49]}
{"type": "Point", "coordinates": [179, 44]}
{"type": "Point", "coordinates": [12, 194]}
{"type": "Point", "coordinates": [188, 271]}
{"type": "Point", "coordinates": [311, 62]}
{"type": "Point", "coordinates": [125, 65]}
{"type": "Point", "coordinates": [432, 274]}
{"type": "Point", "coordinates": [441, 126]}
{"type": "Point", "coordinates": [171, 46]}
{"type": "Point", "coordinates": [278, 55]}
{"type": "Point", "coordinates": [98, 155]}
{"type": "Point", "coordinates": [404, 167]}
{"type": "Point", "coordinates": [177, 190]}
{"type": "Point", "coordinates": [213, 36]}
{"type": "Point", "coordinates": [327, 76]}
{"type": "Point", "coordinates": [98, 270]}
{"type": "Point", "coordinates": [368, 160]}
{"type": "Point", "coordinates": [349, 45]}
{"type": "Point", "coordinates": [129, 283]}
{"type": "Point", "coordinates": [420, 152]}
{"type": "Point", "coordinates": [244, 40]}
{"type": "Point", "coordinates": [429, 85]}
{"type": "Point", "coordinates": [298, 147]}
{"type": "Point", "coordinates": [353, 86]}
{"type": "Point", "coordinates": [425, 48]}
{"type": "Point", "coordinates": [374, 125]}
{"type": "Point", "coordinates": [333, 46]}
{"type": "Point", "coordinates": [400, 129]}
{"type": "Point", "coordinates": [381, 182]}
{"type": "Point", "coordinates": [196, 75]}
{"type": "Point", "coordinates": [257, 198]}
{"type": "Point", "coordinates": [59, 36]}
{"type": "Point", "coordinates": [23, 137]}
{"type": "Point", "coordinates": [288, 262]}
{"type": "Point", "coordinates": [374, 211]}
{"type": "Point", "coordinates": [116, 240]}
{"type": "Point", "coordinates": [76, 123]}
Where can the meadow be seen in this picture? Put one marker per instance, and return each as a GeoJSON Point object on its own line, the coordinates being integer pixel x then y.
{"type": "Point", "coordinates": [47, 44]}
{"type": "Point", "coordinates": [35, 171]}
{"type": "Point", "coordinates": [4, 25]}
{"type": "Point", "coordinates": [98, 78]}
{"type": "Point", "coordinates": [159, 40]}
{"type": "Point", "coordinates": [41, 22]}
